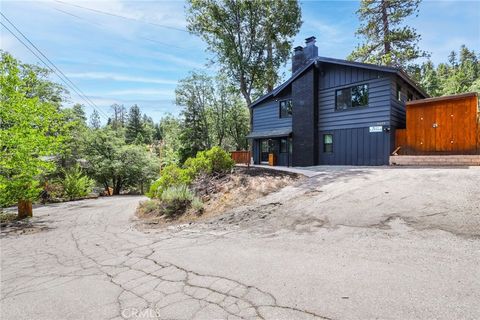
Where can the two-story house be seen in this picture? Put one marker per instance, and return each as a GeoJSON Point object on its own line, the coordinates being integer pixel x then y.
{"type": "Point", "coordinates": [331, 111]}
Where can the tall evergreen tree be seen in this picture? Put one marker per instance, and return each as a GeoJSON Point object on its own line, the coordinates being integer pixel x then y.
{"type": "Point", "coordinates": [95, 120]}
{"type": "Point", "coordinates": [460, 74]}
{"type": "Point", "coordinates": [387, 40]}
{"type": "Point", "coordinates": [134, 129]}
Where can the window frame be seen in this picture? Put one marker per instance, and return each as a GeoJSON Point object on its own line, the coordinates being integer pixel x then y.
{"type": "Point", "coordinates": [289, 112]}
{"type": "Point", "coordinates": [350, 106]}
{"type": "Point", "coordinates": [325, 144]}
{"type": "Point", "coordinates": [399, 92]}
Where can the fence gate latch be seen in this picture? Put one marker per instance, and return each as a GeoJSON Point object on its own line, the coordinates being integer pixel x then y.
{"type": "Point", "coordinates": [435, 125]}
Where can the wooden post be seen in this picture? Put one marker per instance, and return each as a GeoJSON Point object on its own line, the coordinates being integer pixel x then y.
{"type": "Point", "coordinates": [24, 209]}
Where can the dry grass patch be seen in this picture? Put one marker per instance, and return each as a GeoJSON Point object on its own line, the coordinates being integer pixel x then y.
{"type": "Point", "coordinates": [220, 193]}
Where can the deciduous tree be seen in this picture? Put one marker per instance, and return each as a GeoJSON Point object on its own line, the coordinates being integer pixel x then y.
{"type": "Point", "coordinates": [30, 135]}
{"type": "Point", "coordinates": [250, 39]}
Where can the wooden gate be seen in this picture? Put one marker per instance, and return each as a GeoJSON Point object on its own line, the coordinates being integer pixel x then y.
{"type": "Point", "coordinates": [445, 125]}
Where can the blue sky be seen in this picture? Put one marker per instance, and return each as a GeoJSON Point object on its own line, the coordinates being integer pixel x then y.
{"type": "Point", "coordinates": [139, 60]}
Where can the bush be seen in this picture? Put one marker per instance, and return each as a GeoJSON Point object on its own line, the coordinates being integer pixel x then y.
{"type": "Point", "coordinates": [176, 200]}
{"type": "Point", "coordinates": [149, 206]}
{"type": "Point", "coordinates": [170, 176]}
{"type": "Point", "coordinates": [215, 160]}
{"type": "Point", "coordinates": [75, 184]}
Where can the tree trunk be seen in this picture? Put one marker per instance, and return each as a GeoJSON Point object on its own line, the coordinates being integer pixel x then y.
{"type": "Point", "coordinates": [270, 81]}
{"type": "Point", "coordinates": [106, 188]}
{"type": "Point", "coordinates": [117, 187]}
{"type": "Point", "coordinates": [24, 209]}
{"type": "Point", "coordinates": [386, 31]}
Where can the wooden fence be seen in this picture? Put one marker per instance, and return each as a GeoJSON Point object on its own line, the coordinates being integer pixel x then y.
{"type": "Point", "coordinates": [241, 157]}
{"type": "Point", "coordinates": [444, 125]}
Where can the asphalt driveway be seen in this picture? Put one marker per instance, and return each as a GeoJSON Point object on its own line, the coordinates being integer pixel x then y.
{"type": "Point", "coordinates": [350, 243]}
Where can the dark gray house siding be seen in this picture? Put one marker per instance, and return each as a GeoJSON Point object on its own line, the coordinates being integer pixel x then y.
{"type": "Point", "coordinates": [266, 117]}
{"type": "Point", "coordinates": [361, 135]}
{"type": "Point", "coordinates": [353, 144]}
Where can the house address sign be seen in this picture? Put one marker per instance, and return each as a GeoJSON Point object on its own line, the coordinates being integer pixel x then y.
{"type": "Point", "coordinates": [375, 129]}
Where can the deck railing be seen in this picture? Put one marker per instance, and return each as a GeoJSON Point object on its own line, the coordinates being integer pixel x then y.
{"type": "Point", "coordinates": [241, 157]}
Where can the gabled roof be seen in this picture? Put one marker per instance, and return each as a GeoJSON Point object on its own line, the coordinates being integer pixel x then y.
{"type": "Point", "coordinates": [310, 63]}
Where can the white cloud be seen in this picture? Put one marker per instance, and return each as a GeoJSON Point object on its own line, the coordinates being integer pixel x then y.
{"type": "Point", "coordinates": [119, 77]}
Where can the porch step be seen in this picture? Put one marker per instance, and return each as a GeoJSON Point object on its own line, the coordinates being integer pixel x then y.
{"type": "Point", "coordinates": [441, 160]}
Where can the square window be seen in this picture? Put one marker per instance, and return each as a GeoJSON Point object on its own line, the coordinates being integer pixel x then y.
{"type": "Point", "coordinates": [351, 97]}
{"type": "Point", "coordinates": [286, 109]}
{"type": "Point", "coordinates": [328, 143]}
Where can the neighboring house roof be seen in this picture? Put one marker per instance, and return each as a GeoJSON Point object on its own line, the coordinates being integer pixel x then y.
{"type": "Point", "coordinates": [299, 72]}
{"type": "Point", "coordinates": [273, 133]}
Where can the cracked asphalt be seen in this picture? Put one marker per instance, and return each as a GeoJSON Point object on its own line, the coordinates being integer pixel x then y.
{"type": "Point", "coordinates": [356, 243]}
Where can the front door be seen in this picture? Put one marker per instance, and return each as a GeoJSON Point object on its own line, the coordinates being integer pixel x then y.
{"type": "Point", "coordinates": [264, 150]}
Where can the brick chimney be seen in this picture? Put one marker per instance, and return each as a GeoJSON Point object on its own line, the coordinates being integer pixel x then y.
{"type": "Point", "coordinates": [311, 50]}
{"type": "Point", "coordinates": [301, 56]}
{"type": "Point", "coordinates": [298, 58]}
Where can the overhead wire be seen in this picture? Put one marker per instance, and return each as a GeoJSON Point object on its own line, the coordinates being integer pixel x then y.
{"type": "Point", "coordinates": [102, 25]}
{"type": "Point", "coordinates": [123, 17]}
{"type": "Point", "coordinates": [55, 69]}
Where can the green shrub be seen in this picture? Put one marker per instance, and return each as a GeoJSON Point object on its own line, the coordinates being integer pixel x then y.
{"type": "Point", "coordinates": [176, 200]}
{"type": "Point", "coordinates": [197, 205]}
{"type": "Point", "coordinates": [170, 176]}
{"type": "Point", "coordinates": [215, 160]}
{"type": "Point", "coordinates": [220, 160]}
{"type": "Point", "coordinates": [149, 206]}
{"type": "Point", "coordinates": [75, 184]}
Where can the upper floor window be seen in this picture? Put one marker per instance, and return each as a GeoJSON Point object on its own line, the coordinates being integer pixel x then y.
{"type": "Point", "coordinates": [351, 97]}
{"type": "Point", "coordinates": [399, 92]}
{"type": "Point", "coordinates": [286, 108]}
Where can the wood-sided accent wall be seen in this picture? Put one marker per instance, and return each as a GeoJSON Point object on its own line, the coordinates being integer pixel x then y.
{"type": "Point", "coordinates": [444, 125]}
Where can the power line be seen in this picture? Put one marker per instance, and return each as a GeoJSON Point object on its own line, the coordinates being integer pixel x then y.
{"type": "Point", "coordinates": [67, 81]}
{"type": "Point", "coordinates": [100, 24]}
{"type": "Point", "coordinates": [120, 16]}
{"type": "Point", "coordinates": [39, 51]}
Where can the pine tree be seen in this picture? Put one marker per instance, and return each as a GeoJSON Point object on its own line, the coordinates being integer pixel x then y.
{"type": "Point", "coordinates": [387, 41]}
{"type": "Point", "coordinates": [95, 120]}
{"type": "Point", "coordinates": [134, 126]}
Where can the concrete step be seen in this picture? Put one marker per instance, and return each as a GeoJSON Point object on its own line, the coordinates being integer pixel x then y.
{"type": "Point", "coordinates": [440, 160]}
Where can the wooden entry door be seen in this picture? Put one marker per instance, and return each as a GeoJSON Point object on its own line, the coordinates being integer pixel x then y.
{"type": "Point", "coordinates": [424, 135]}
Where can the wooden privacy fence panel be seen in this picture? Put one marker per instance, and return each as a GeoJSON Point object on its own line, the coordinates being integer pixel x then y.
{"type": "Point", "coordinates": [445, 125]}
{"type": "Point", "coordinates": [241, 157]}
